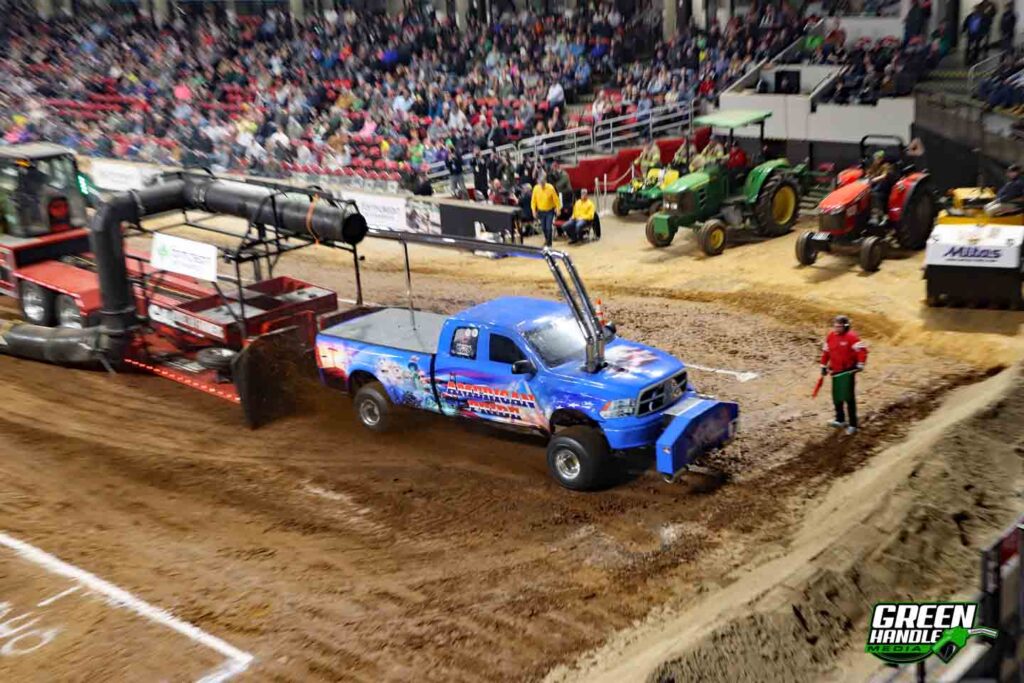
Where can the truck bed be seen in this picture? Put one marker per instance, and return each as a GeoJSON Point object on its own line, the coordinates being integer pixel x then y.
{"type": "Point", "coordinates": [397, 328]}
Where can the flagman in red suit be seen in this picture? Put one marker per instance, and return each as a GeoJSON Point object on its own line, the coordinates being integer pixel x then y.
{"type": "Point", "coordinates": [843, 355]}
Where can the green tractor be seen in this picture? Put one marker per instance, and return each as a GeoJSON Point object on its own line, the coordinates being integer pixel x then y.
{"type": "Point", "coordinates": [764, 197]}
{"type": "Point", "coordinates": [644, 193]}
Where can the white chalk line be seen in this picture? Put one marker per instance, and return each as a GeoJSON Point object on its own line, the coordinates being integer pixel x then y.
{"type": "Point", "coordinates": [238, 661]}
{"type": "Point", "coordinates": [740, 376]}
{"type": "Point", "coordinates": [55, 598]}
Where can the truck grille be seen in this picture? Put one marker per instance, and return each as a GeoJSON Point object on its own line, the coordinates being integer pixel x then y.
{"type": "Point", "coordinates": [662, 394]}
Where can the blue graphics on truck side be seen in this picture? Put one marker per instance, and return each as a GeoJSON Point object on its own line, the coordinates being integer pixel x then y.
{"type": "Point", "coordinates": [405, 376]}
{"type": "Point", "coordinates": [467, 388]}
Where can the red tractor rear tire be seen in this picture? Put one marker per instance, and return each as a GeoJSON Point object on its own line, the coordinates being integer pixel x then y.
{"type": "Point", "coordinates": [918, 219]}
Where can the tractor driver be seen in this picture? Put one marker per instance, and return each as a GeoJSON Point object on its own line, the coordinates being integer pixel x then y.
{"type": "Point", "coordinates": [737, 160]}
{"type": "Point", "coordinates": [715, 151]}
{"type": "Point", "coordinates": [1010, 198]}
{"type": "Point", "coordinates": [881, 174]}
{"type": "Point", "coordinates": [684, 152]}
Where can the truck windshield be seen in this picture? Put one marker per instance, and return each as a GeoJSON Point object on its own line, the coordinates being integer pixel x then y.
{"type": "Point", "coordinates": [557, 341]}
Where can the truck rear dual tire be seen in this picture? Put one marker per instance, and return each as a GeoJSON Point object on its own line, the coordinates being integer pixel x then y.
{"type": "Point", "coordinates": [578, 458]}
{"type": "Point", "coordinates": [373, 407]}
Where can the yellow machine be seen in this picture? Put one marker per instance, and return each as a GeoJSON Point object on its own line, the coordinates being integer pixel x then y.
{"type": "Point", "coordinates": [966, 206]}
{"type": "Point", "coordinates": [651, 180]}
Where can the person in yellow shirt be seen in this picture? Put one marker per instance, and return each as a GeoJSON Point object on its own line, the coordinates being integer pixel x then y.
{"type": "Point", "coordinates": [583, 212]}
{"type": "Point", "coordinates": [545, 203]}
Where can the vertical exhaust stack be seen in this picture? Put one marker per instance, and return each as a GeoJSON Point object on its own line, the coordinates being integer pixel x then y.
{"type": "Point", "coordinates": [118, 318]}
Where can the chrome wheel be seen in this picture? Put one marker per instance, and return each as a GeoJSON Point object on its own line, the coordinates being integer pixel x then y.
{"type": "Point", "coordinates": [567, 463]}
{"type": "Point", "coordinates": [369, 413]}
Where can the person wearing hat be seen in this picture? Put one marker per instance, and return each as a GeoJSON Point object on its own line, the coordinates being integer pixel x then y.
{"type": "Point", "coordinates": [843, 354]}
{"type": "Point", "coordinates": [1013, 189]}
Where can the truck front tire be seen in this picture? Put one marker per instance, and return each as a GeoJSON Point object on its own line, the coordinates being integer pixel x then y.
{"type": "Point", "coordinates": [578, 458]}
{"type": "Point", "coordinates": [373, 407]}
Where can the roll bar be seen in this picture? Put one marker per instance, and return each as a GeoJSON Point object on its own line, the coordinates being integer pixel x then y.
{"type": "Point", "coordinates": [567, 278]}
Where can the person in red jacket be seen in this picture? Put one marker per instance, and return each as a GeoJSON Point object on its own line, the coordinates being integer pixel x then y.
{"type": "Point", "coordinates": [844, 355]}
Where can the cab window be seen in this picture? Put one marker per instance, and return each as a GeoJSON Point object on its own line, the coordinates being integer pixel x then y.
{"type": "Point", "coordinates": [504, 350]}
{"type": "Point", "coordinates": [464, 342]}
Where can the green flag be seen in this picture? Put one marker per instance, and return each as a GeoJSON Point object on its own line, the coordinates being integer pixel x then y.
{"type": "Point", "coordinates": [842, 387]}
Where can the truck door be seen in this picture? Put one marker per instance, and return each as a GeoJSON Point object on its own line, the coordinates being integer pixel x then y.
{"type": "Point", "coordinates": [476, 380]}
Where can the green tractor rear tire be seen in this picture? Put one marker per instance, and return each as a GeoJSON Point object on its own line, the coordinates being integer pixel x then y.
{"type": "Point", "coordinates": [777, 207]}
{"type": "Point", "coordinates": [654, 238]}
{"type": "Point", "coordinates": [711, 237]}
{"type": "Point", "coordinates": [654, 208]}
{"type": "Point", "coordinates": [618, 209]}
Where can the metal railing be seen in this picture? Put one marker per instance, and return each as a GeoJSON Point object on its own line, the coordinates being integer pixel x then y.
{"type": "Point", "coordinates": [605, 136]}
{"type": "Point", "coordinates": [964, 122]}
{"type": "Point", "coordinates": [981, 70]}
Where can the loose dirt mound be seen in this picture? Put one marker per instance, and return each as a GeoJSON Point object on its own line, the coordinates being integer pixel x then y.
{"type": "Point", "coordinates": [908, 527]}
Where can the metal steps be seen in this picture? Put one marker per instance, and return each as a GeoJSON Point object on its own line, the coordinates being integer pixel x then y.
{"type": "Point", "coordinates": [809, 202]}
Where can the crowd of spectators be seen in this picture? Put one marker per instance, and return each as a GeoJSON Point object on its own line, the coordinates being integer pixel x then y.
{"type": "Point", "coordinates": [886, 67]}
{"type": "Point", "coordinates": [1004, 88]}
{"type": "Point", "coordinates": [255, 94]}
{"type": "Point", "coordinates": [267, 94]}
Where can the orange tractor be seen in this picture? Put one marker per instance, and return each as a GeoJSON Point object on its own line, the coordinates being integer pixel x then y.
{"type": "Point", "coordinates": [883, 204]}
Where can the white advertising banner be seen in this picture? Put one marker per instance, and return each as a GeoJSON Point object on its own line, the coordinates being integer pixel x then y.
{"type": "Point", "coordinates": [185, 257]}
{"type": "Point", "coordinates": [977, 246]}
{"type": "Point", "coordinates": [118, 177]}
{"type": "Point", "coordinates": [382, 212]}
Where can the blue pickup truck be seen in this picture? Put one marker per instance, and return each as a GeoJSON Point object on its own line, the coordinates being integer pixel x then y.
{"type": "Point", "coordinates": [522, 362]}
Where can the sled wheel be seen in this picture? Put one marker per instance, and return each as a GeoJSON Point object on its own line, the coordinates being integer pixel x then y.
{"type": "Point", "coordinates": [216, 358]}
{"type": "Point", "coordinates": [37, 303]}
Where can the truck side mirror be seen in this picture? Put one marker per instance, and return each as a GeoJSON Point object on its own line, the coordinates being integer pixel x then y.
{"type": "Point", "coordinates": [524, 367]}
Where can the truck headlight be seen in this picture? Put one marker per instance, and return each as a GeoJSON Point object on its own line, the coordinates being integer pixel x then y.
{"type": "Point", "coordinates": [622, 407]}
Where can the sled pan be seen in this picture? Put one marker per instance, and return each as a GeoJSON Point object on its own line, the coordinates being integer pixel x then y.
{"type": "Point", "coordinates": [694, 426]}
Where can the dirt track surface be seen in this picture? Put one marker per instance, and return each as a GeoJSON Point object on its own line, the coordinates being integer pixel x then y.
{"type": "Point", "coordinates": [443, 551]}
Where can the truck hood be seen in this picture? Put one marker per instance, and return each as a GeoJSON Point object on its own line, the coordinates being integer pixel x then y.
{"type": "Point", "coordinates": [631, 366]}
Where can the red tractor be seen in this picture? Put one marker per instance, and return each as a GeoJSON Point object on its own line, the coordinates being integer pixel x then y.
{"type": "Point", "coordinates": [885, 203]}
